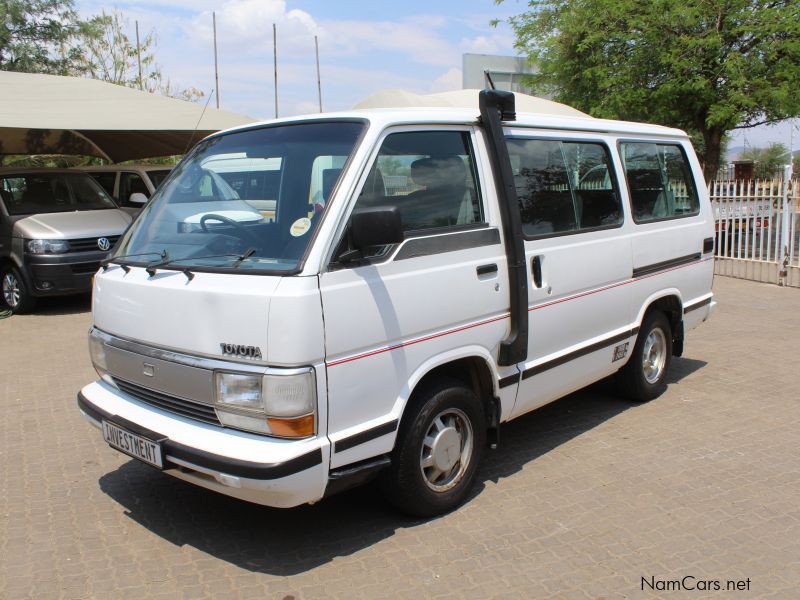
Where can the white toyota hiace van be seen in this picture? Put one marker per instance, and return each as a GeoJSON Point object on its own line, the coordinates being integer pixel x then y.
{"type": "Point", "coordinates": [397, 284]}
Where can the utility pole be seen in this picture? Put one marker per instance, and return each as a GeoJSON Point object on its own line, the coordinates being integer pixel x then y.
{"type": "Point", "coordinates": [139, 56]}
{"type": "Point", "coordinates": [275, 64]}
{"type": "Point", "coordinates": [319, 84]}
{"type": "Point", "coordinates": [216, 66]}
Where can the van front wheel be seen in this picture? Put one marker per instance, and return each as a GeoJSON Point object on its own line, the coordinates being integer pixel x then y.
{"type": "Point", "coordinates": [644, 377]}
{"type": "Point", "coordinates": [438, 452]}
{"type": "Point", "coordinates": [15, 294]}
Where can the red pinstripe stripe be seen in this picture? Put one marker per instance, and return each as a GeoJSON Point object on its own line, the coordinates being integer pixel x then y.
{"type": "Point", "coordinates": [342, 361]}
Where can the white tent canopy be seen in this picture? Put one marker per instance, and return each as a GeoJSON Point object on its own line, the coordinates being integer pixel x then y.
{"type": "Point", "coordinates": [49, 114]}
{"type": "Point", "coordinates": [463, 99]}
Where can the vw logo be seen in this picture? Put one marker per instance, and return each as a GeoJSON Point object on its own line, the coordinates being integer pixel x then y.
{"type": "Point", "coordinates": [104, 244]}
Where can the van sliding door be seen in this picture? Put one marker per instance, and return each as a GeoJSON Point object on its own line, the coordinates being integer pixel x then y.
{"type": "Point", "coordinates": [578, 259]}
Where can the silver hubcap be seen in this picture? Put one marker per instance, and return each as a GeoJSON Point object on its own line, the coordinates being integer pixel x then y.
{"type": "Point", "coordinates": [654, 355]}
{"type": "Point", "coordinates": [446, 450]}
{"type": "Point", "coordinates": [11, 290]}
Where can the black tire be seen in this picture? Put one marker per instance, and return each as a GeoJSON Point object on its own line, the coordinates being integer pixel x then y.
{"type": "Point", "coordinates": [639, 380]}
{"type": "Point", "coordinates": [409, 486]}
{"type": "Point", "coordinates": [14, 292]}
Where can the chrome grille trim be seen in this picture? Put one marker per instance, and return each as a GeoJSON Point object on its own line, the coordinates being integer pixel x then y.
{"type": "Point", "coordinates": [90, 244]}
{"type": "Point", "coordinates": [169, 403]}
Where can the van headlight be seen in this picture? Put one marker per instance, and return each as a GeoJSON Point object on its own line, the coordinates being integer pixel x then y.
{"type": "Point", "coordinates": [97, 352]}
{"type": "Point", "coordinates": [47, 246]}
{"type": "Point", "coordinates": [283, 405]}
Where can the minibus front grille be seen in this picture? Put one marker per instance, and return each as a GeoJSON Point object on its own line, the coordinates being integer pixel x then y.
{"type": "Point", "coordinates": [90, 244]}
{"type": "Point", "coordinates": [173, 404]}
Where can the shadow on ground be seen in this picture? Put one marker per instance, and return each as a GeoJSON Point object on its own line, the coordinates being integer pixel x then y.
{"type": "Point", "coordinates": [61, 305]}
{"type": "Point", "coordinates": [286, 542]}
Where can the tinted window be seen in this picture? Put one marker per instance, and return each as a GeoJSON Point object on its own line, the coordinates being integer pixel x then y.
{"type": "Point", "coordinates": [106, 179]}
{"type": "Point", "coordinates": [563, 187]}
{"type": "Point", "coordinates": [157, 177]}
{"type": "Point", "coordinates": [52, 192]}
{"type": "Point", "coordinates": [660, 181]}
{"type": "Point", "coordinates": [430, 176]}
{"type": "Point", "coordinates": [131, 183]}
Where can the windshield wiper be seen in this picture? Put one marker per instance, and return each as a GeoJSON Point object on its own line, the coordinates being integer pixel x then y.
{"type": "Point", "coordinates": [152, 268]}
{"type": "Point", "coordinates": [104, 263]}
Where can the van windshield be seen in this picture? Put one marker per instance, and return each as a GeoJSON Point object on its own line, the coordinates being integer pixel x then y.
{"type": "Point", "coordinates": [42, 192]}
{"type": "Point", "coordinates": [247, 200]}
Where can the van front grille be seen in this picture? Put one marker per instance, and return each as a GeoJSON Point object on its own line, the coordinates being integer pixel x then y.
{"type": "Point", "coordinates": [90, 244]}
{"type": "Point", "coordinates": [173, 404]}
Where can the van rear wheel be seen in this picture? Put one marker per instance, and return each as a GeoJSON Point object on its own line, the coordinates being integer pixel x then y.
{"type": "Point", "coordinates": [438, 451]}
{"type": "Point", "coordinates": [644, 377]}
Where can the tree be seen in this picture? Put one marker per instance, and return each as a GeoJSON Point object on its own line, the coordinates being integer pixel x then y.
{"type": "Point", "coordinates": [39, 36]}
{"type": "Point", "coordinates": [708, 67]}
{"type": "Point", "coordinates": [110, 55]}
{"type": "Point", "coordinates": [768, 161]}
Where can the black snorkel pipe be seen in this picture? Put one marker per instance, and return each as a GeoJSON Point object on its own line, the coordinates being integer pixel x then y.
{"type": "Point", "coordinates": [497, 106]}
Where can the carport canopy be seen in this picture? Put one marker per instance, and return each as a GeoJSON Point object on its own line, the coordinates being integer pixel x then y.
{"type": "Point", "coordinates": [50, 114]}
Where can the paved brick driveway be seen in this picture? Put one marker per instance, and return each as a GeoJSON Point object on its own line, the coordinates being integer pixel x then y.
{"type": "Point", "coordinates": [583, 498]}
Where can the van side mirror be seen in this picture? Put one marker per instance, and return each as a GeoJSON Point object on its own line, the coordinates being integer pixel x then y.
{"type": "Point", "coordinates": [137, 198]}
{"type": "Point", "coordinates": [371, 227]}
{"type": "Point", "coordinates": [378, 226]}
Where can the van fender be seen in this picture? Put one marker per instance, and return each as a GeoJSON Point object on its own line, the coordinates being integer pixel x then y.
{"type": "Point", "coordinates": [676, 316]}
{"type": "Point", "coordinates": [379, 438]}
{"type": "Point", "coordinates": [438, 360]}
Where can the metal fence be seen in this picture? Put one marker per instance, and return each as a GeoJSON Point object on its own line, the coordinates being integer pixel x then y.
{"type": "Point", "coordinates": [757, 229]}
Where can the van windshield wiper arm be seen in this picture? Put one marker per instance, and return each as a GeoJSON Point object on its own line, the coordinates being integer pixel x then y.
{"type": "Point", "coordinates": [105, 262]}
{"type": "Point", "coordinates": [151, 269]}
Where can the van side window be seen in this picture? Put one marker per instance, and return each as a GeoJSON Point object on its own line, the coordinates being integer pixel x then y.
{"type": "Point", "coordinates": [564, 187]}
{"type": "Point", "coordinates": [131, 183]}
{"type": "Point", "coordinates": [430, 176]}
{"type": "Point", "coordinates": [660, 181]}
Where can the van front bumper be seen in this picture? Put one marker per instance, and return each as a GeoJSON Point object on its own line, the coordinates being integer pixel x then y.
{"type": "Point", "coordinates": [255, 468]}
{"type": "Point", "coordinates": [61, 274]}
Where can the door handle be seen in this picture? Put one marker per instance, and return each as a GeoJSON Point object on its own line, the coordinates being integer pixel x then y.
{"type": "Point", "coordinates": [484, 270]}
{"type": "Point", "coordinates": [536, 270]}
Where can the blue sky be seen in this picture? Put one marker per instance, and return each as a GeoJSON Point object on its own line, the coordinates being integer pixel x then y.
{"type": "Point", "coordinates": [364, 47]}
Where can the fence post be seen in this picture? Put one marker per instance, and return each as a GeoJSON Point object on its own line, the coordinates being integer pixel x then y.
{"type": "Point", "coordinates": [786, 242]}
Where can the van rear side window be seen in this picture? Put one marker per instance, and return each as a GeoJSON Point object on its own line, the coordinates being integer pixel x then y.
{"type": "Point", "coordinates": [659, 180]}
{"type": "Point", "coordinates": [564, 187]}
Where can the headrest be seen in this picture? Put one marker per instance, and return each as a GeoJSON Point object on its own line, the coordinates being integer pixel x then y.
{"type": "Point", "coordinates": [644, 179]}
{"type": "Point", "coordinates": [439, 172]}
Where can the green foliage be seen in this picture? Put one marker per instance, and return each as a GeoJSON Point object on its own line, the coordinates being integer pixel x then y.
{"type": "Point", "coordinates": [768, 161]}
{"type": "Point", "coordinates": [40, 36]}
{"type": "Point", "coordinates": [707, 67]}
{"type": "Point", "coordinates": [111, 55]}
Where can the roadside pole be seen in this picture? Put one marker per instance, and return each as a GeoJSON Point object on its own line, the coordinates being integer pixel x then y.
{"type": "Point", "coordinates": [216, 66]}
{"type": "Point", "coordinates": [788, 213]}
{"type": "Point", "coordinates": [275, 64]}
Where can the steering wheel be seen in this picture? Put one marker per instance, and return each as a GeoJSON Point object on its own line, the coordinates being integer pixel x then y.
{"type": "Point", "coordinates": [221, 219]}
{"type": "Point", "coordinates": [228, 221]}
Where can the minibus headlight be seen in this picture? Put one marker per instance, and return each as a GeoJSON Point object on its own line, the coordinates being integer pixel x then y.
{"type": "Point", "coordinates": [239, 391]}
{"type": "Point", "coordinates": [275, 404]}
{"type": "Point", "coordinates": [289, 395]}
{"type": "Point", "coordinates": [97, 352]}
{"type": "Point", "coordinates": [47, 246]}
